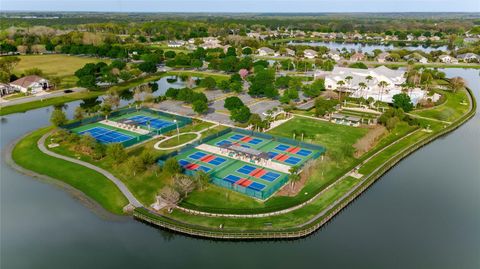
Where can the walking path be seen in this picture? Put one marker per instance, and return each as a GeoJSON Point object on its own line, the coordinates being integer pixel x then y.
{"type": "Point", "coordinates": [425, 118]}
{"type": "Point", "coordinates": [199, 135]}
{"type": "Point", "coordinates": [157, 145]}
{"type": "Point", "coordinates": [131, 198]}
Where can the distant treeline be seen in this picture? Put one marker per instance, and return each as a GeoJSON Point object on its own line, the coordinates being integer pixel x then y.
{"type": "Point", "coordinates": [185, 24]}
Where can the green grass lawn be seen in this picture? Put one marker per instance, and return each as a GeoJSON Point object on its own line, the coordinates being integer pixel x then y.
{"type": "Point", "coordinates": [93, 184]}
{"type": "Point", "coordinates": [450, 110]}
{"type": "Point", "coordinates": [59, 65]}
{"type": "Point", "coordinates": [285, 221]}
{"type": "Point", "coordinates": [327, 134]}
{"type": "Point", "coordinates": [175, 141]}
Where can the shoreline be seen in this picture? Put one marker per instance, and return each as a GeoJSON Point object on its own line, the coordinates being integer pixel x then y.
{"type": "Point", "coordinates": [310, 226]}
{"type": "Point", "coordinates": [76, 194]}
{"type": "Point", "coordinates": [151, 218]}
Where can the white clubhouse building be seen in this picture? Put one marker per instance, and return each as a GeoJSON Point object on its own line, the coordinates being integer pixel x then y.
{"type": "Point", "coordinates": [351, 80]}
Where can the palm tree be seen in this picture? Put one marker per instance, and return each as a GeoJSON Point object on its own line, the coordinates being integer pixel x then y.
{"type": "Point", "coordinates": [362, 86]}
{"type": "Point", "coordinates": [382, 84]}
{"type": "Point", "coordinates": [368, 78]}
{"type": "Point", "coordinates": [348, 79]}
{"type": "Point", "coordinates": [294, 176]}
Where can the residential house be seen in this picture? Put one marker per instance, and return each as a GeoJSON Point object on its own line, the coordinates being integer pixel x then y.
{"type": "Point", "coordinates": [211, 43]}
{"type": "Point", "coordinates": [6, 89]}
{"type": "Point", "coordinates": [357, 57]}
{"type": "Point", "coordinates": [410, 37]}
{"type": "Point", "coordinates": [334, 55]}
{"type": "Point", "coordinates": [422, 38]}
{"type": "Point", "coordinates": [469, 58]}
{"type": "Point", "coordinates": [357, 36]}
{"type": "Point", "coordinates": [265, 51]}
{"type": "Point", "coordinates": [416, 57]}
{"type": "Point", "coordinates": [175, 44]}
{"type": "Point", "coordinates": [254, 35]}
{"type": "Point", "coordinates": [447, 59]}
{"type": "Point", "coordinates": [435, 38]}
{"type": "Point", "coordinates": [299, 33]}
{"type": "Point", "coordinates": [289, 52]}
{"type": "Point", "coordinates": [32, 84]}
{"type": "Point", "coordinates": [310, 54]}
{"type": "Point", "coordinates": [383, 57]}
{"type": "Point", "coordinates": [470, 40]}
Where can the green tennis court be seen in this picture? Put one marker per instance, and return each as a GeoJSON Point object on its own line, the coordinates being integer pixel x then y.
{"type": "Point", "coordinates": [233, 174]}
{"type": "Point", "coordinates": [242, 161]}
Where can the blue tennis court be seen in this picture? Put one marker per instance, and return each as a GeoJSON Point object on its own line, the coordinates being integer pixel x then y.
{"type": "Point", "coordinates": [193, 166]}
{"type": "Point", "coordinates": [223, 143]}
{"type": "Point", "coordinates": [237, 136]}
{"type": "Point", "coordinates": [256, 186]}
{"type": "Point", "coordinates": [106, 136]}
{"type": "Point", "coordinates": [217, 161]}
{"type": "Point", "coordinates": [155, 123]}
{"type": "Point", "coordinates": [304, 152]}
{"type": "Point", "coordinates": [197, 155]}
{"type": "Point", "coordinates": [270, 176]}
{"type": "Point", "coordinates": [231, 178]}
{"type": "Point", "coordinates": [293, 160]}
{"type": "Point", "coordinates": [282, 147]}
{"type": "Point", "coordinates": [255, 141]}
{"type": "Point", "coordinates": [246, 169]}
{"type": "Point", "coordinates": [272, 154]}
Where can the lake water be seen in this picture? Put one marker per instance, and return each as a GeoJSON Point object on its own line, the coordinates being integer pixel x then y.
{"type": "Point", "coordinates": [367, 47]}
{"type": "Point", "coordinates": [424, 213]}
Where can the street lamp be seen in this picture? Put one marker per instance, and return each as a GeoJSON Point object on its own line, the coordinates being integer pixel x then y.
{"type": "Point", "coordinates": [178, 131]}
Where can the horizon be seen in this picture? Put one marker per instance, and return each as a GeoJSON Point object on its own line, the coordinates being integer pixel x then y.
{"type": "Point", "coordinates": [244, 6]}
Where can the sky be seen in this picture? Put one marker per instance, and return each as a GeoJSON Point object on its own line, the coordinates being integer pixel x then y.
{"type": "Point", "coordinates": [243, 5]}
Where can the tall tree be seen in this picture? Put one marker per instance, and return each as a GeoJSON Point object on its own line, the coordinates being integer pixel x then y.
{"type": "Point", "coordinates": [58, 117]}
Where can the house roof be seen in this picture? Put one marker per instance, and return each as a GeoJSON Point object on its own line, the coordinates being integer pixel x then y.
{"type": "Point", "coordinates": [358, 55]}
{"type": "Point", "coordinates": [266, 49]}
{"type": "Point", "coordinates": [383, 55]}
{"type": "Point", "coordinates": [309, 51]}
{"type": "Point", "coordinates": [27, 81]}
{"type": "Point", "coordinates": [380, 73]}
{"type": "Point", "coordinates": [468, 55]}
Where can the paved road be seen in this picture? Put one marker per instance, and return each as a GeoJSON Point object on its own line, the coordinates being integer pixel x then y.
{"type": "Point", "coordinates": [5, 103]}
{"type": "Point", "coordinates": [131, 199]}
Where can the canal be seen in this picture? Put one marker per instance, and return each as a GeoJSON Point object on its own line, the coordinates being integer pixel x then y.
{"type": "Point", "coordinates": [367, 47]}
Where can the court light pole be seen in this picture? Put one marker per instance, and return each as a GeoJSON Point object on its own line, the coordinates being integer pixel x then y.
{"type": "Point", "coordinates": [178, 131]}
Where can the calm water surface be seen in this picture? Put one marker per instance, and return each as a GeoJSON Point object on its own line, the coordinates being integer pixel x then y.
{"type": "Point", "coordinates": [424, 213]}
{"type": "Point", "coordinates": [366, 47]}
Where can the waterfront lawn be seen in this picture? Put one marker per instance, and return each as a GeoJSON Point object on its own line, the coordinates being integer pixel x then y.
{"type": "Point", "coordinates": [455, 106]}
{"type": "Point", "coordinates": [58, 65]}
{"type": "Point", "coordinates": [338, 141]}
{"type": "Point", "coordinates": [91, 183]}
{"type": "Point", "coordinates": [284, 221]}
